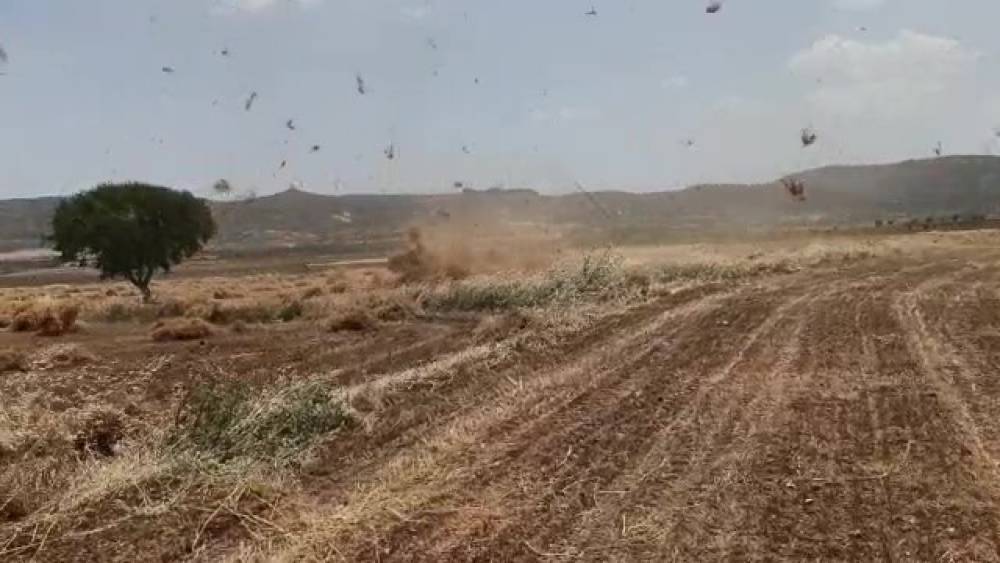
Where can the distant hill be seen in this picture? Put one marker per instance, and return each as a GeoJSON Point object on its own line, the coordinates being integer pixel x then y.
{"type": "Point", "coordinates": [834, 195]}
{"type": "Point", "coordinates": [25, 222]}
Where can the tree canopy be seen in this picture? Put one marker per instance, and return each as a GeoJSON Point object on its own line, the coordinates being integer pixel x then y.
{"type": "Point", "coordinates": [131, 230]}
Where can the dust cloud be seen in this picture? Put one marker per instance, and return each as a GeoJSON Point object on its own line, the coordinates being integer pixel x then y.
{"type": "Point", "coordinates": [459, 249]}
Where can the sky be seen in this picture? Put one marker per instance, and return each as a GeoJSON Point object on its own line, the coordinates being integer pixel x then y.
{"type": "Point", "coordinates": [645, 95]}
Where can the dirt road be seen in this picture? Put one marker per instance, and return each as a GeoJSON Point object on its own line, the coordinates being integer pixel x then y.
{"type": "Point", "coordinates": [839, 415]}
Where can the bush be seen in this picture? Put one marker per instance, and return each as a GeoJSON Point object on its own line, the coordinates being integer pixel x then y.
{"type": "Point", "coordinates": [290, 311]}
{"type": "Point", "coordinates": [230, 421]}
{"type": "Point", "coordinates": [12, 360]}
{"type": "Point", "coordinates": [496, 327]}
{"type": "Point", "coordinates": [181, 329]}
{"type": "Point", "coordinates": [596, 276]}
{"type": "Point", "coordinates": [224, 294]}
{"type": "Point", "coordinates": [312, 292]}
{"type": "Point", "coordinates": [120, 312]}
{"type": "Point", "coordinates": [721, 272]}
{"type": "Point", "coordinates": [24, 321]}
{"type": "Point", "coordinates": [100, 431]}
{"type": "Point", "coordinates": [46, 319]}
{"type": "Point", "coordinates": [171, 308]}
{"type": "Point", "coordinates": [63, 356]}
{"type": "Point", "coordinates": [355, 320]}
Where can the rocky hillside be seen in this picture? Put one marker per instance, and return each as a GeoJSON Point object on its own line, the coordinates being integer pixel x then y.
{"type": "Point", "coordinates": [941, 187]}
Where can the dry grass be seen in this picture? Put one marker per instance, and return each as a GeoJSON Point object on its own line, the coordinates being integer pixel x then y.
{"type": "Point", "coordinates": [12, 360]}
{"type": "Point", "coordinates": [99, 432]}
{"type": "Point", "coordinates": [181, 329]}
{"type": "Point", "coordinates": [45, 317]}
{"type": "Point", "coordinates": [79, 454]}
{"type": "Point", "coordinates": [594, 277]}
{"type": "Point", "coordinates": [62, 356]}
{"type": "Point", "coordinates": [355, 320]}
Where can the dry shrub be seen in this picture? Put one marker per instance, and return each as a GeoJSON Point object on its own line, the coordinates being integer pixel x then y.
{"type": "Point", "coordinates": [99, 432]}
{"type": "Point", "coordinates": [312, 292]}
{"type": "Point", "coordinates": [68, 315]}
{"type": "Point", "coordinates": [13, 509]}
{"type": "Point", "coordinates": [239, 327]}
{"type": "Point", "coordinates": [224, 294]}
{"type": "Point", "coordinates": [290, 311]}
{"type": "Point", "coordinates": [355, 319]}
{"type": "Point", "coordinates": [181, 329]}
{"type": "Point", "coordinates": [46, 318]}
{"type": "Point", "coordinates": [63, 356]}
{"type": "Point", "coordinates": [226, 313]}
{"type": "Point", "coordinates": [338, 287]}
{"type": "Point", "coordinates": [171, 308]}
{"type": "Point", "coordinates": [121, 311]}
{"type": "Point", "coordinates": [24, 321]}
{"type": "Point", "coordinates": [4, 322]}
{"type": "Point", "coordinates": [496, 327]}
{"type": "Point", "coordinates": [418, 262]}
{"type": "Point", "coordinates": [12, 360]}
{"type": "Point", "coordinates": [393, 307]}
{"type": "Point", "coordinates": [597, 277]}
{"type": "Point", "coordinates": [229, 421]}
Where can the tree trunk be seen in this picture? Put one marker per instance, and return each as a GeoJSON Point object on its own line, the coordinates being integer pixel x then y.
{"type": "Point", "coordinates": [147, 294]}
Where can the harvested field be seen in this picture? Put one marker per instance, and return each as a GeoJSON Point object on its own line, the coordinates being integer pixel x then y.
{"type": "Point", "coordinates": [689, 404]}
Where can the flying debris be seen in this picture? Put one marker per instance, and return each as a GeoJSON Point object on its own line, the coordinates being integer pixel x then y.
{"type": "Point", "coordinates": [224, 52]}
{"type": "Point", "coordinates": [432, 43]}
{"type": "Point", "coordinates": [290, 124]}
{"type": "Point", "coordinates": [315, 148]}
{"type": "Point", "coordinates": [688, 143]}
{"type": "Point", "coordinates": [996, 131]}
{"type": "Point", "coordinates": [476, 80]}
{"type": "Point", "coordinates": [458, 185]}
{"type": "Point", "coordinates": [592, 12]}
{"type": "Point", "coordinates": [361, 83]}
{"type": "Point", "coordinates": [390, 151]}
{"type": "Point", "coordinates": [808, 137]}
{"type": "Point", "coordinates": [283, 164]}
{"type": "Point", "coordinates": [222, 187]}
{"type": "Point", "coordinates": [593, 200]}
{"type": "Point", "coordinates": [938, 150]}
{"type": "Point", "coordinates": [168, 69]}
{"type": "Point", "coordinates": [250, 101]}
{"type": "Point", "coordinates": [713, 7]}
{"type": "Point", "coordinates": [862, 28]}
{"type": "Point", "coordinates": [465, 149]}
{"type": "Point", "coordinates": [795, 188]}
{"type": "Point", "coordinates": [3, 55]}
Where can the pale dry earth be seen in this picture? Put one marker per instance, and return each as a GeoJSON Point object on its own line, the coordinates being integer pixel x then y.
{"type": "Point", "coordinates": [848, 412]}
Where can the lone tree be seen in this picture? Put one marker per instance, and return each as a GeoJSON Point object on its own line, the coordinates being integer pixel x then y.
{"type": "Point", "coordinates": [131, 230]}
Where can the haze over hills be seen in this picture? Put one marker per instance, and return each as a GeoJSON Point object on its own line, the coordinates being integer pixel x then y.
{"type": "Point", "coordinates": [939, 187]}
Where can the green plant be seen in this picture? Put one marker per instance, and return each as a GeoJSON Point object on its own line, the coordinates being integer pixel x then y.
{"type": "Point", "coordinates": [229, 421]}
{"type": "Point", "coordinates": [290, 311]}
{"type": "Point", "coordinates": [595, 277]}
{"type": "Point", "coordinates": [131, 230]}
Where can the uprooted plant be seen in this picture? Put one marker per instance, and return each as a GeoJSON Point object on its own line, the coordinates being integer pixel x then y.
{"type": "Point", "coordinates": [225, 421]}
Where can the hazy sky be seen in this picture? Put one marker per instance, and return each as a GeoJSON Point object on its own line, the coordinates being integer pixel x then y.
{"type": "Point", "coordinates": [608, 100]}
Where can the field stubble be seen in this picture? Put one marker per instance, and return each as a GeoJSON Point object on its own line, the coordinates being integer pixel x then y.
{"type": "Point", "coordinates": [830, 399]}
